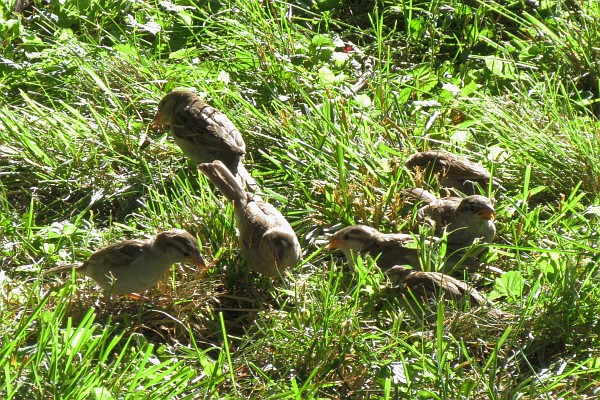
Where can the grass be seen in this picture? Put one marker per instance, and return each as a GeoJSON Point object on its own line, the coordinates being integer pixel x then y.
{"type": "Point", "coordinates": [331, 98]}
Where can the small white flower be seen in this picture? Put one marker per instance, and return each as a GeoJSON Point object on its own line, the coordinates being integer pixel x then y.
{"type": "Point", "coordinates": [224, 77]}
{"type": "Point", "coordinates": [455, 90]}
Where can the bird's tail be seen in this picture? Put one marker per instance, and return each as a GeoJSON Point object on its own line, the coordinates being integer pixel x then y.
{"type": "Point", "coordinates": [247, 180]}
{"type": "Point", "coordinates": [223, 179]}
{"type": "Point", "coordinates": [61, 268]}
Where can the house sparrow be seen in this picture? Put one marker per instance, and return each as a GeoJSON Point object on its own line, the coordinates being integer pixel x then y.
{"type": "Point", "coordinates": [419, 288]}
{"type": "Point", "coordinates": [452, 171]}
{"type": "Point", "coordinates": [266, 238]}
{"type": "Point", "coordinates": [133, 266]}
{"type": "Point", "coordinates": [429, 284]}
{"type": "Point", "coordinates": [203, 133]}
{"type": "Point", "coordinates": [464, 220]}
{"type": "Point", "coordinates": [387, 249]}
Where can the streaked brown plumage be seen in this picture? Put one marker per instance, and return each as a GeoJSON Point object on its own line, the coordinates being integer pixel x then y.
{"type": "Point", "coordinates": [266, 238]}
{"type": "Point", "coordinates": [431, 284]}
{"type": "Point", "coordinates": [414, 196]}
{"type": "Point", "coordinates": [204, 133]}
{"type": "Point", "coordinates": [463, 220]}
{"type": "Point", "coordinates": [388, 249]}
{"type": "Point", "coordinates": [419, 289]}
{"type": "Point", "coordinates": [452, 171]}
{"type": "Point", "coordinates": [133, 266]}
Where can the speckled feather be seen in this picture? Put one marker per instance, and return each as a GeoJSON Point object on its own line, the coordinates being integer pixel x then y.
{"type": "Point", "coordinates": [203, 133]}
{"type": "Point", "coordinates": [133, 266]}
{"type": "Point", "coordinates": [452, 170]}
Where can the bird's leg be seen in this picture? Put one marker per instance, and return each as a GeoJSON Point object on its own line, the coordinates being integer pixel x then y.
{"type": "Point", "coordinates": [137, 296]}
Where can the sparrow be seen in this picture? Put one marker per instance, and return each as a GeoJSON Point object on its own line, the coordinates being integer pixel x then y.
{"type": "Point", "coordinates": [425, 285]}
{"type": "Point", "coordinates": [267, 240]}
{"type": "Point", "coordinates": [463, 220]}
{"type": "Point", "coordinates": [133, 266]}
{"type": "Point", "coordinates": [387, 249]}
{"type": "Point", "coordinates": [452, 171]}
{"type": "Point", "coordinates": [203, 133]}
{"type": "Point", "coordinates": [419, 288]}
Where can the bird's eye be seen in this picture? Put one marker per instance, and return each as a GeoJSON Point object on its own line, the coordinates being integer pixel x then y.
{"type": "Point", "coordinates": [186, 254]}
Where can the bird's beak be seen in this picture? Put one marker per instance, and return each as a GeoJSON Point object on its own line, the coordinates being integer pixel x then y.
{"type": "Point", "coordinates": [486, 214]}
{"type": "Point", "coordinates": [198, 262]}
{"type": "Point", "coordinates": [159, 120]}
{"type": "Point", "coordinates": [334, 244]}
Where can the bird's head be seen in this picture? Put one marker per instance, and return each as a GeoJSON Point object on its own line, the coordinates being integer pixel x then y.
{"type": "Point", "coordinates": [169, 104]}
{"type": "Point", "coordinates": [352, 238]}
{"type": "Point", "coordinates": [478, 206]}
{"type": "Point", "coordinates": [179, 246]}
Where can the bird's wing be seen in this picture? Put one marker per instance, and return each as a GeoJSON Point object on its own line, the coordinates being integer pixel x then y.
{"type": "Point", "coordinates": [440, 212]}
{"type": "Point", "coordinates": [395, 239]}
{"type": "Point", "coordinates": [464, 169]}
{"type": "Point", "coordinates": [263, 216]}
{"type": "Point", "coordinates": [119, 254]}
{"type": "Point", "coordinates": [254, 225]}
{"type": "Point", "coordinates": [208, 127]}
{"type": "Point", "coordinates": [463, 289]}
{"type": "Point", "coordinates": [418, 195]}
{"type": "Point", "coordinates": [452, 287]}
{"type": "Point", "coordinates": [260, 217]}
{"type": "Point", "coordinates": [449, 165]}
{"type": "Point", "coordinates": [426, 282]}
{"type": "Point", "coordinates": [393, 249]}
{"type": "Point", "coordinates": [427, 159]}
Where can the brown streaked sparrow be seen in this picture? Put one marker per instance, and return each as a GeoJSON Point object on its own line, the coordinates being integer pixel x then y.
{"type": "Point", "coordinates": [133, 266]}
{"type": "Point", "coordinates": [428, 284]}
{"type": "Point", "coordinates": [452, 171]}
{"type": "Point", "coordinates": [388, 249]}
{"type": "Point", "coordinates": [420, 288]}
{"type": "Point", "coordinates": [204, 133]}
{"type": "Point", "coordinates": [464, 220]}
{"type": "Point", "coordinates": [266, 238]}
